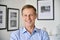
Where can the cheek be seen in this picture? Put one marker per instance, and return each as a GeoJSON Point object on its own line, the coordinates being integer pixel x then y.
{"type": "Point", "coordinates": [23, 18]}
{"type": "Point", "coordinates": [33, 18]}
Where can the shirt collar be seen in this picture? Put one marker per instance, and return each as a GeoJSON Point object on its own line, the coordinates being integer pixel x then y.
{"type": "Point", "coordinates": [24, 30]}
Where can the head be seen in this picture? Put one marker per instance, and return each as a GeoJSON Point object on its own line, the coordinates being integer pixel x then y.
{"type": "Point", "coordinates": [29, 15]}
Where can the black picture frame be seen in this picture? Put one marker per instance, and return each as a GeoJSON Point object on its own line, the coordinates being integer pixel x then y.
{"type": "Point", "coordinates": [13, 19]}
{"type": "Point", "coordinates": [45, 9]}
{"type": "Point", "coordinates": [3, 12]}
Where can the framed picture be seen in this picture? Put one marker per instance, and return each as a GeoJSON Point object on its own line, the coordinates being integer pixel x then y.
{"type": "Point", "coordinates": [45, 9]}
{"type": "Point", "coordinates": [13, 19]}
{"type": "Point", "coordinates": [3, 11]}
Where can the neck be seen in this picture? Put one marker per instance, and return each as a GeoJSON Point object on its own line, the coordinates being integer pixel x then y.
{"type": "Point", "coordinates": [30, 29]}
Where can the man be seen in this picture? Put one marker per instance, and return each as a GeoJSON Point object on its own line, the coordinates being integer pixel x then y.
{"type": "Point", "coordinates": [29, 31]}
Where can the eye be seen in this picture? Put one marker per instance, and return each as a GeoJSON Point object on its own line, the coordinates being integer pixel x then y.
{"type": "Point", "coordinates": [25, 15]}
{"type": "Point", "coordinates": [31, 15]}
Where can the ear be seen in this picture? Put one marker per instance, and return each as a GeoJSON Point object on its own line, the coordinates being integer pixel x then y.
{"type": "Point", "coordinates": [36, 16]}
{"type": "Point", "coordinates": [22, 16]}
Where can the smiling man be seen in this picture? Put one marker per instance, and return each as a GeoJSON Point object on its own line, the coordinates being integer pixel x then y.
{"type": "Point", "coordinates": [29, 31]}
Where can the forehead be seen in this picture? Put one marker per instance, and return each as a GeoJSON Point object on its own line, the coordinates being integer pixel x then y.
{"type": "Point", "coordinates": [28, 10]}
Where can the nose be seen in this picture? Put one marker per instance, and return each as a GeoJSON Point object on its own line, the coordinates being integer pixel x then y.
{"type": "Point", "coordinates": [28, 17]}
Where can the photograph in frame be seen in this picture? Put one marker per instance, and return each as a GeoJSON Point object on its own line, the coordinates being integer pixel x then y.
{"type": "Point", "coordinates": [3, 12]}
{"type": "Point", "coordinates": [13, 19]}
{"type": "Point", "coordinates": [45, 9]}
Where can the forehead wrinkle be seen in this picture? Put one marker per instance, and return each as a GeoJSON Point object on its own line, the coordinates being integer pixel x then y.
{"type": "Point", "coordinates": [30, 10]}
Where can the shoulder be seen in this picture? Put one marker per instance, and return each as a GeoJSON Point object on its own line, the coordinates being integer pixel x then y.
{"type": "Point", "coordinates": [15, 33]}
{"type": "Point", "coordinates": [42, 32]}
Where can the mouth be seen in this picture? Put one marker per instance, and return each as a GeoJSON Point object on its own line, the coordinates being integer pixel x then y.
{"type": "Point", "coordinates": [28, 22]}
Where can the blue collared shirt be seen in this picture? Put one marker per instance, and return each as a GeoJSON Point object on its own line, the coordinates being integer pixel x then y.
{"type": "Point", "coordinates": [23, 34]}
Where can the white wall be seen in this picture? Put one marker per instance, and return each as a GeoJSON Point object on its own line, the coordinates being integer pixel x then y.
{"type": "Point", "coordinates": [4, 34]}
{"type": "Point", "coordinates": [51, 25]}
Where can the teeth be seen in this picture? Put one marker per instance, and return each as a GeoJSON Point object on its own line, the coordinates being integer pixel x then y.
{"type": "Point", "coordinates": [28, 22]}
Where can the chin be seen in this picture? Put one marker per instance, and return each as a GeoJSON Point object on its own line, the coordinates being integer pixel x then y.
{"type": "Point", "coordinates": [28, 24]}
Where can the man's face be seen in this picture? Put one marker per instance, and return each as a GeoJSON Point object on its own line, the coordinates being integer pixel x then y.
{"type": "Point", "coordinates": [29, 16]}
